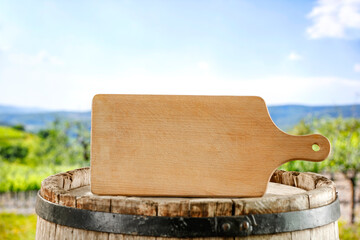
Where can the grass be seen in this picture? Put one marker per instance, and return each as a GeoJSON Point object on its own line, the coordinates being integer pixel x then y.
{"type": "Point", "coordinates": [14, 226]}
{"type": "Point", "coordinates": [349, 232]}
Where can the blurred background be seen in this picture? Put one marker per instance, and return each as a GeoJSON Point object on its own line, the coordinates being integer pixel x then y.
{"type": "Point", "coordinates": [302, 57]}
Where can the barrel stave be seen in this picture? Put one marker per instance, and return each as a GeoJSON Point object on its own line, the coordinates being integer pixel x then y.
{"type": "Point", "coordinates": [72, 189]}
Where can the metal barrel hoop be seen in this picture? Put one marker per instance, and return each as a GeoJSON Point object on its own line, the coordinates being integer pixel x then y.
{"type": "Point", "coordinates": [187, 227]}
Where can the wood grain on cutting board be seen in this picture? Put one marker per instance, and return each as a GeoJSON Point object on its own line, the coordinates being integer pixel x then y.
{"type": "Point", "coordinates": [161, 145]}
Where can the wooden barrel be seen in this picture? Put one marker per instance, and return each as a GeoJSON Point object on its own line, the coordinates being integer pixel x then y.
{"type": "Point", "coordinates": [287, 192]}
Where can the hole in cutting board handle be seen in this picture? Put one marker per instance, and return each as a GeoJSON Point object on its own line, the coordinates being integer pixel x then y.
{"type": "Point", "coordinates": [315, 147]}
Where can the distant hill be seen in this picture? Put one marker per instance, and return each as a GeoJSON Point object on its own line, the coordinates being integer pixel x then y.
{"type": "Point", "coordinates": [6, 109]}
{"type": "Point", "coordinates": [285, 116]}
{"type": "Point", "coordinates": [36, 121]}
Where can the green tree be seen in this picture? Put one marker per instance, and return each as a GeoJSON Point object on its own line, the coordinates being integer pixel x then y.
{"type": "Point", "coordinates": [19, 127]}
{"type": "Point", "coordinates": [12, 153]}
{"type": "Point", "coordinates": [57, 146]}
{"type": "Point", "coordinates": [82, 135]}
{"type": "Point", "coordinates": [344, 135]}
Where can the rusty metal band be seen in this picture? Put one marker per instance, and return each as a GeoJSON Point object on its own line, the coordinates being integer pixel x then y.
{"type": "Point", "coordinates": [187, 227]}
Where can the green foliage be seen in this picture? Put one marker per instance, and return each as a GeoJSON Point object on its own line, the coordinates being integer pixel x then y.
{"type": "Point", "coordinates": [57, 147]}
{"type": "Point", "coordinates": [82, 135]}
{"type": "Point", "coordinates": [349, 232]}
{"type": "Point", "coordinates": [344, 135]}
{"type": "Point", "coordinates": [27, 158]}
{"type": "Point", "coordinates": [17, 146]}
{"type": "Point", "coordinates": [19, 177]}
{"type": "Point", "coordinates": [11, 134]}
{"type": "Point", "coordinates": [61, 143]}
{"type": "Point", "coordinates": [19, 127]}
{"type": "Point", "coordinates": [16, 227]}
{"type": "Point", "coordinates": [13, 152]}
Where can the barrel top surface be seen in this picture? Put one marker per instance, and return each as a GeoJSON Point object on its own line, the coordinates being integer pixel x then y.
{"type": "Point", "coordinates": [273, 189]}
{"type": "Point", "coordinates": [287, 191]}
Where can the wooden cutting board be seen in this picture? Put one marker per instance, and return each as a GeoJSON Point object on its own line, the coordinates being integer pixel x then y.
{"type": "Point", "coordinates": [195, 146]}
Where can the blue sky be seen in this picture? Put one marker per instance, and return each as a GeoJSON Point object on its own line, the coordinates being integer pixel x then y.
{"type": "Point", "coordinates": [58, 54]}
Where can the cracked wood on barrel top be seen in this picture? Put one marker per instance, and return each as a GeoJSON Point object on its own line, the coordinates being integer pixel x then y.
{"type": "Point", "coordinates": [287, 191]}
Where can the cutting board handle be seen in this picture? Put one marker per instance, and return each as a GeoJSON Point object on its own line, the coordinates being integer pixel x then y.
{"type": "Point", "coordinates": [314, 147]}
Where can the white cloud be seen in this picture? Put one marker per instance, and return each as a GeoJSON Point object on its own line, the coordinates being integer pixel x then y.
{"type": "Point", "coordinates": [293, 56]}
{"type": "Point", "coordinates": [51, 89]}
{"type": "Point", "coordinates": [44, 57]}
{"type": "Point", "coordinates": [203, 65]}
{"type": "Point", "coordinates": [40, 57]}
{"type": "Point", "coordinates": [76, 91]}
{"type": "Point", "coordinates": [357, 67]}
{"type": "Point", "coordinates": [4, 48]}
{"type": "Point", "coordinates": [335, 19]}
{"type": "Point", "coordinates": [275, 90]}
